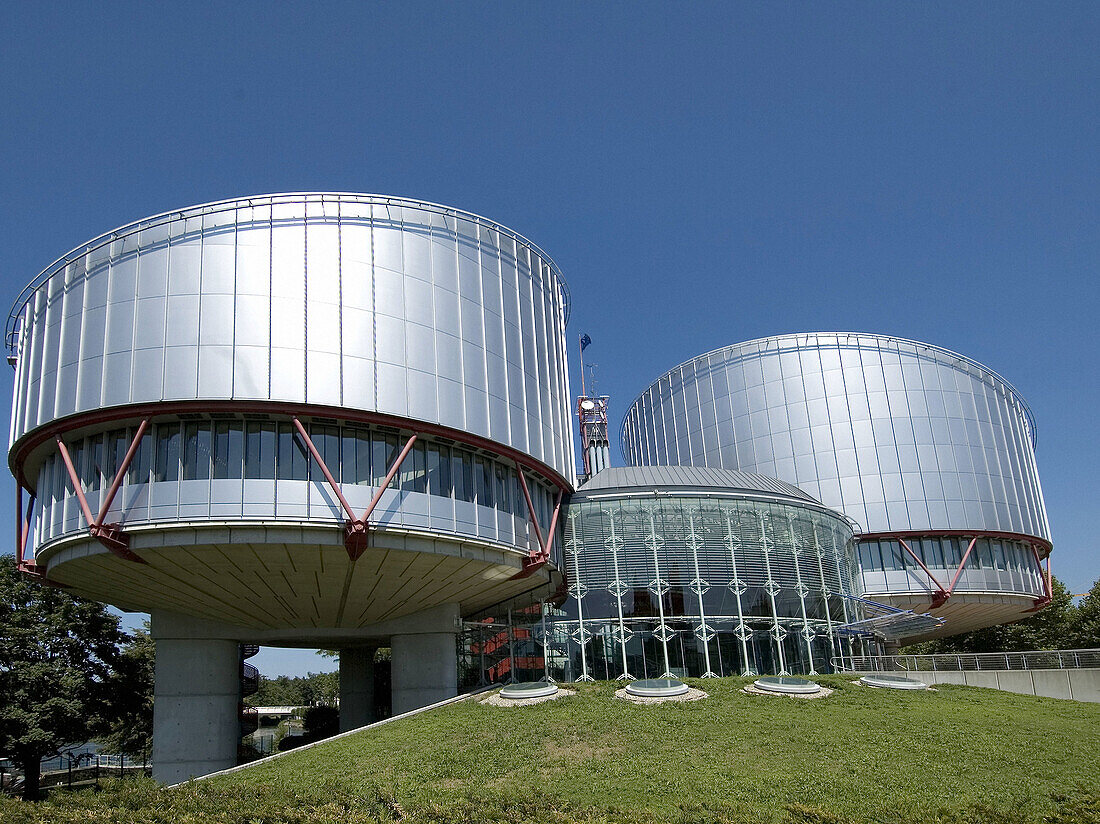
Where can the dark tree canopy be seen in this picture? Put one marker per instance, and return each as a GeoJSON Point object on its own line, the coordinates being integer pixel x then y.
{"type": "Point", "coordinates": [130, 722]}
{"type": "Point", "coordinates": [57, 658]}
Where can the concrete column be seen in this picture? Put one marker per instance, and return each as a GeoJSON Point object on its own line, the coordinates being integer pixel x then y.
{"type": "Point", "coordinates": [196, 693]}
{"type": "Point", "coordinates": [356, 687]}
{"type": "Point", "coordinates": [424, 669]}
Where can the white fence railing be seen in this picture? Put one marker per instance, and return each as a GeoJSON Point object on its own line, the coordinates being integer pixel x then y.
{"type": "Point", "coordinates": [956, 662]}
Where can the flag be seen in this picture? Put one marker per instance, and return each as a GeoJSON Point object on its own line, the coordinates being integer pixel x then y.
{"type": "Point", "coordinates": [585, 341]}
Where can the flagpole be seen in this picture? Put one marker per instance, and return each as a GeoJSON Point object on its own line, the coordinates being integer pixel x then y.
{"type": "Point", "coordinates": [581, 345]}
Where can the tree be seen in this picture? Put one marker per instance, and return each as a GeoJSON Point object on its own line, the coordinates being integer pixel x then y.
{"type": "Point", "coordinates": [57, 657]}
{"type": "Point", "coordinates": [130, 718]}
{"type": "Point", "coordinates": [284, 691]}
{"type": "Point", "coordinates": [1087, 621]}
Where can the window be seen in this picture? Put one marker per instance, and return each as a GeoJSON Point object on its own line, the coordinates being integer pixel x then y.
{"type": "Point", "coordinates": [196, 451]}
{"type": "Point", "coordinates": [167, 467]}
{"type": "Point", "coordinates": [292, 461]}
{"type": "Point", "coordinates": [228, 450]}
{"type": "Point", "coordinates": [259, 451]}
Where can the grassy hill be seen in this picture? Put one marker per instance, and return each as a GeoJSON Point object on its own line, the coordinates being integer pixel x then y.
{"type": "Point", "coordinates": [860, 755]}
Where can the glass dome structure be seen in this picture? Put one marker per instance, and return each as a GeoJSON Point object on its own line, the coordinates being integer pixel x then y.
{"type": "Point", "coordinates": [694, 571]}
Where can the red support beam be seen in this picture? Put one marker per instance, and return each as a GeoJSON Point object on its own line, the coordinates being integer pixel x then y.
{"type": "Point", "coordinates": [553, 523]}
{"type": "Point", "coordinates": [107, 534]}
{"type": "Point", "coordinates": [962, 563]}
{"type": "Point", "coordinates": [530, 509]}
{"type": "Point", "coordinates": [389, 477]}
{"type": "Point", "coordinates": [19, 542]}
{"type": "Point", "coordinates": [1048, 592]}
{"type": "Point", "coordinates": [68, 461]}
{"type": "Point", "coordinates": [120, 473]}
{"type": "Point", "coordinates": [940, 595]}
{"type": "Point", "coordinates": [22, 533]}
{"type": "Point", "coordinates": [355, 528]}
{"type": "Point", "coordinates": [25, 527]}
{"type": "Point", "coordinates": [324, 469]}
{"type": "Point", "coordinates": [538, 559]}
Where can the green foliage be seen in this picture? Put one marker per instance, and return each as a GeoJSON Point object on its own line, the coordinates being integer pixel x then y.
{"type": "Point", "coordinates": [1087, 623]}
{"type": "Point", "coordinates": [57, 660]}
{"type": "Point", "coordinates": [284, 691]}
{"type": "Point", "coordinates": [130, 727]}
{"type": "Point", "coordinates": [1059, 625]}
{"type": "Point", "coordinates": [320, 722]}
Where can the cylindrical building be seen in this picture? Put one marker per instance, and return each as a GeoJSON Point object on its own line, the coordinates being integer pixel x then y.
{"type": "Point", "coordinates": [690, 571]}
{"type": "Point", "coordinates": [931, 453]}
{"type": "Point", "coordinates": [301, 417]}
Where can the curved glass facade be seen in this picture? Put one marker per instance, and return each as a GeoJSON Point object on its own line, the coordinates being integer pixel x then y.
{"type": "Point", "coordinates": [705, 580]}
{"type": "Point", "coordinates": [262, 469]}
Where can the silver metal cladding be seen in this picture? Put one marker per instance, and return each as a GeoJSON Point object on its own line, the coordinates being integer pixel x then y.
{"type": "Point", "coordinates": [896, 434]}
{"type": "Point", "coordinates": [356, 301]}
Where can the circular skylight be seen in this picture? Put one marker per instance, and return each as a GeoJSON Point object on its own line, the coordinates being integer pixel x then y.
{"type": "Point", "coordinates": [893, 682]}
{"type": "Point", "coordinates": [529, 689]}
{"type": "Point", "coordinates": [657, 688]}
{"type": "Point", "coordinates": [788, 685]}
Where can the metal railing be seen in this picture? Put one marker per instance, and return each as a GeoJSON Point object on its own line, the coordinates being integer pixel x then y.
{"type": "Point", "coordinates": [961, 661]}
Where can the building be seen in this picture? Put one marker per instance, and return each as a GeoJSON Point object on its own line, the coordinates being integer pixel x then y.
{"type": "Point", "coordinates": [308, 420]}
{"type": "Point", "coordinates": [696, 571]}
{"type": "Point", "coordinates": [929, 452]}
{"type": "Point", "coordinates": [343, 421]}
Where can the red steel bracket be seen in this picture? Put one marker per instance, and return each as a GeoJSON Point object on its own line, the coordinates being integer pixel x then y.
{"type": "Point", "coordinates": [959, 571]}
{"type": "Point", "coordinates": [940, 595]}
{"type": "Point", "coordinates": [22, 533]}
{"type": "Point", "coordinates": [537, 559]}
{"type": "Point", "coordinates": [355, 528]}
{"type": "Point", "coordinates": [110, 535]}
{"type": "Point", "coordinates": [1048, 591]}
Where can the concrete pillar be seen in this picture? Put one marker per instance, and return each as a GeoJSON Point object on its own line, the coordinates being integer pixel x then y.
{"type": "Point", "coordinates": [356, 687]}
{"type": "Point", "coordinates": [424, 669]}
{"type": "Point", "coordinates": [196, 696]}
{"type": "Point", "coordinates": [196, 726]}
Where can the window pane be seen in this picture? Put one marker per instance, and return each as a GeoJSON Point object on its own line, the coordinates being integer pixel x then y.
{"type": "Point", "coordinates": [228, 450]}
{"type": "Point", "coordinates": [167, 466]}
{"type": "Point", "coordinates": [259, 451]}
{"type": "Point", "coordinates": [138, 473]}
{"type": "Point", "coordinates": [383, 455]}
{"type": "Point", "coordinates": [413, 475]}
{"type": "Point", "coordinates": [439, 470]}
{"type": "Point", "coordinates": [484, 477]}
{"type": "Point", "coordinates": [362, 458]}
{"type": "Point", "coordinates": [291, 462]}
{"type": "Point", "coordinates": [196, 452]}
{"type": "Point", "coordinates": [503, 488]}
{"type": "Point", "coordinates": [463, 476]}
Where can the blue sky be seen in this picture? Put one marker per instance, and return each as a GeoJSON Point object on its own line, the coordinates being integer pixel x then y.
{"type": "Point", "coordinates": [702, 173]}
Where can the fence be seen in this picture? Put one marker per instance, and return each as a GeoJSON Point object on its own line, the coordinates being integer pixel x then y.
{"type": "Point", "coordinates": [966, 661]}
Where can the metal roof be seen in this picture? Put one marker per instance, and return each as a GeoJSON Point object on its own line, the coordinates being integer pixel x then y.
{"type": "Point", "coordinates": [665, 477]}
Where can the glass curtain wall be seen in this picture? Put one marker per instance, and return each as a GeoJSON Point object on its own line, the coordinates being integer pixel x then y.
{"type": "Point", "coordinates": [701, 586]}
{"type": "Point", "coordinates": [174, 456]}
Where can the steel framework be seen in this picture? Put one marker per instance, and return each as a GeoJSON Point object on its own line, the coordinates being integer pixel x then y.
{"type": "Point", "coordinates": [356, 527]}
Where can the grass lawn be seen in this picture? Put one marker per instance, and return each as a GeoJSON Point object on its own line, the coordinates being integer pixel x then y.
{"type": "Point", "coordinates": [862, 754]}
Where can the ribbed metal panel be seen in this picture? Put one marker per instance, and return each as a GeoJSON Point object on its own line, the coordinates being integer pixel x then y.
{"type": "Point", "coordinates": [677, 477]}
